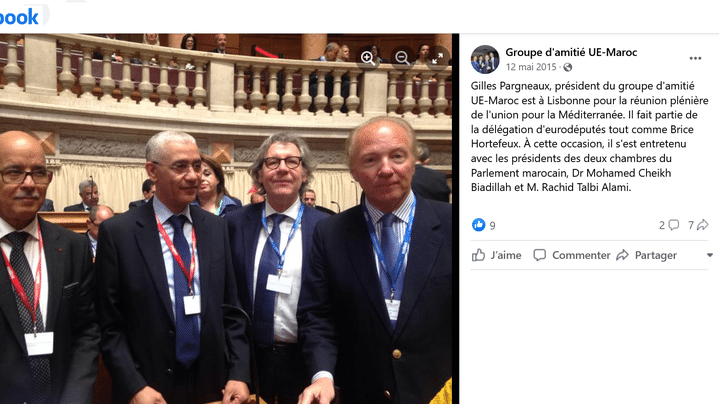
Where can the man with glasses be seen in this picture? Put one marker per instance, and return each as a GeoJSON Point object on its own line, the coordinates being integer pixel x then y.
{"type": "Point", "coordinates": [172, 330]}
{"type": "Point", "coordinates": [90, 197]}
{"type": "Point", "coordinates": [271, 245]}
{"type": "Point", "coordinates": [48, 328]}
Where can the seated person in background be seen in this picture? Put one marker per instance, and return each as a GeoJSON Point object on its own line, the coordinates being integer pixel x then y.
{"type": "Point", "coordinates": [98, 55]}
{"type": "Point", "coordinates": [212, 195]}
{"type": "Point", "coordinates": [90, 197]}
{"type": "Point", "coordinates": [221, 40]}
{"type": "Point", "coordinates": [148, 191]}
{"type": "Point", "coordinates": [344, 55]}
{"type": "Point", "coordinates": [310, 199]}
{"type": "Point", "coordinates": [376, 58]}
{"type": "Point", "coordinates": [98, 214]}
{"type": "Point", "coordinates": [423, 59]}
{"type": "Point", "coordinates": [189, 43]}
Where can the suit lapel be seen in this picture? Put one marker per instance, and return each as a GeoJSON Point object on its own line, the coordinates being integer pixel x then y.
{"type": "Point", "coordinates": [251, 227]}
{"type": "Point", "coordinates": [147, 238]}
{"type": "Point", "coordinates": [204, 249]}
{"type": "Point", "coordinates": [423, 249]}
{"type": "Point", "coordinates": [55, 250]}
{"type": "Point", "coordinates": [359, 245]}
{"type": "Point", "coordinates": [307, 228]}
{"type": "Point", "coordinates": [8, 306]}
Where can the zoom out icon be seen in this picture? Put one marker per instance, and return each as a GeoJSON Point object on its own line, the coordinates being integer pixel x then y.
{"type": "Point", "coordinates": [478, 224]}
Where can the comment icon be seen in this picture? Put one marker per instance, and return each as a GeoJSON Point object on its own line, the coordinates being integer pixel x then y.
{"type": "Point", "coordinates": [673, 224]}
{"type": "Point", "coordinates": [540, 254]}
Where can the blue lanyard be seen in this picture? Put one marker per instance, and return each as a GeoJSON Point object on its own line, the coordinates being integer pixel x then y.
{"type": "Point", "coordinates": [392, 276]}
{"type": "Point", "coordinates": [275, 247]}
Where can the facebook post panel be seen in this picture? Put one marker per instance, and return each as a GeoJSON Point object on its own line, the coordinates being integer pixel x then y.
{"type": "Point", "coordinates": [588, 206]}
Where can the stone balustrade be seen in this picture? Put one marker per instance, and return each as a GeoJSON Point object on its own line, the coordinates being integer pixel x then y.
{"type": "Point", "coordinates": [85, 67]}
{"type": "Point", "coordinates": [94, 115]}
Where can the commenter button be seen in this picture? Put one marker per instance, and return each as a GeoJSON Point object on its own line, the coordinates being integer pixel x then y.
{"type": "Point", "coordinates": [558, 255]}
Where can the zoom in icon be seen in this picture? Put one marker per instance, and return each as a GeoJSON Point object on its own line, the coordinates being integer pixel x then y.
{"type": "Point", "coordinates": [364, 58]}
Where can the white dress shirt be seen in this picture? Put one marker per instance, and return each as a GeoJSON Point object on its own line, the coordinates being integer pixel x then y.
{"type": "Point", "coordinates": [163, 213]}
{"type": "Point", "coordinates": [285, 304]}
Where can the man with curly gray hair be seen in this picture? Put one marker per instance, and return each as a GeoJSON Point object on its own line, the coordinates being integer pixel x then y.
{"type": "Point", "coordinates": [271, 244]}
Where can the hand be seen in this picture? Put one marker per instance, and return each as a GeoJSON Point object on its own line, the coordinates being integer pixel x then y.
{"type": "Point", "coordinates": [147, 395]}
{"type": "Point", "coordinates": [235, 392]}
{"type": "Point", "coordinates": [322, 391]}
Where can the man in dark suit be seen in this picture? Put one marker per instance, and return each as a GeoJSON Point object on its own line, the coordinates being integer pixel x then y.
{"type": "Point", "coordinates": [282, 168]}
{"type": "Point", "coordinates": [493, 62]}
{"type": "Point", "coordinates": [46, 288]}
{"type": "Point", "coordinates": [148, 191]}
{"type": "Point", "coordinates": [221, 40]}
{"type": "Point", "coordinates": [375, 311]}
{"type": "Point", "coordinates": [171, 324]}
{"type": "Point", "coordinates": [90, 197]}
{"type": "Point", "coordinates": [309, 198]}
{"type": "Point", "coordinates": [426, 182]}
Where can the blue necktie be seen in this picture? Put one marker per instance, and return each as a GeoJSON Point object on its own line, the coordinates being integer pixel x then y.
{"type": "Point", "coordinates": [187, 335]}
{"type": "Point", "coordinates": [390, 250]}
{"type": "Point", "coordinates": [264, 308]}
{"type": "Point", "coordinates": [39, 365]}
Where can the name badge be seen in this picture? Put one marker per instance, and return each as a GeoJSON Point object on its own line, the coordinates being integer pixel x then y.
{"type": "Point", "coordinates": [192, 305]}
{"type": "Point", "coordinates": [39, 344]}
{"type": "Point", "coordinates": [392, 308]}
{"type": "Point", "coordinates": [279, 284]}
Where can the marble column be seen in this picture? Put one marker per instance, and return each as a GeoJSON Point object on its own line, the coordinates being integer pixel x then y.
{"type": "Point", "coordinates": [313, 45]}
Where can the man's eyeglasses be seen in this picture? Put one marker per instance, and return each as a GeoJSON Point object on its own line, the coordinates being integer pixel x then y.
{"type": "Point", "coordinates": [182, 167]}
{"type": "Point", "coordinates": [16, 176]}
{"type": "Point", "coordinates": [291, 162]}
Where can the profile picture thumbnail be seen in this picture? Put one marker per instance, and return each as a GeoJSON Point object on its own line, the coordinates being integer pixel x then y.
{"type": "Point", "coordinates": [485, 59]}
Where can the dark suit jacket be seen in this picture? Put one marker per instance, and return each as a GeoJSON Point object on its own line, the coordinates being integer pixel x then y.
{"type": "Point", "coordinates": [70, 316]}
{"type": "Point", "coordinates": [74, 208]}
{"type": "Point", "coordinates": [245, 225]}
{"type": "Point", "coordinates": [430, 184]}
{"type": "Point", "coordinates": [343, 318]}
{"type": "Point", "coordinates": [135, 204]}
{"type": "Point", "coordinates": [47, 206]}
{"type": "Point", "coordinates": [137, 320]}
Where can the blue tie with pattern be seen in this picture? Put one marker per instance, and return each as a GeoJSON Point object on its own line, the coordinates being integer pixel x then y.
{"type": "Point", "coordinates": [187, 335]}
{"type": "Point", "coordinates": [264, 307]}
{"type": "Point", "coordinates": [390, 250]}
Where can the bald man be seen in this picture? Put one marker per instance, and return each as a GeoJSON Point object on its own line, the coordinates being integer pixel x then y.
{"type": "Point", "coordinates": [48, 328]}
